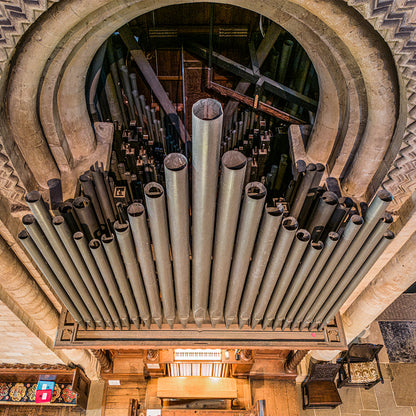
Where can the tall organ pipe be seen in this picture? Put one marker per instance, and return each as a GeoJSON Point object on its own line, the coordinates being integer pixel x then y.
{"type": "Point", "coordinates": [102, 194]}
{"type": "Point", "coordinates": [82, 245]}
{"type": "Point", "coordinates": [372, 216]}
{"type": "Point", "coordinates": [66, 236]}
{"type": "Point", "coordinates": [110, 281]}
{"type": "Point", "coordinates": [32, 227]}
{"type": "Point", "coordinates": [86, 217]}
{"type": "Point", "coordinates": [253, 204]}
{"type": "Point", "coordinates": [137, 104]}
{"type": "Point", "coordinates": [89, 191]}
{"type": "Point", "coordinates": [291, 264]}
{"type": "Point", "coordinates": [280, 251]}
{"type": "Point", "coordinates": [177, 195]}
{"type": "Point", "coordinates": [44, 220]}
{"type": "Point", "coordinates": [351, 230]}
{"type": "Point", "coordinates": [340, 214]}
{"type": "Point", "coordinates": [330, 244]}
{"type": "Point", "coordinates": [303, 190]}
{"type": "Point", "coordinates": [114, 257]}
{"type": "Point", "coordinates": [284, 60]}
{"type": "Point", "coordinates": [361, 273]}
{"type": "Point", "coordinates": [272, 217]}
{"type": "Point", "coordinates": [125, 241]}
{"type": "Point", "coordinates": [314, 250]}
{"type": "Point", "coordinates": [156, 208]}
{"type": "Point", "coordinates": [66, 209]}
{"type": "Point", "coordinates": [323, 212]}
{"type": "Point", "coordinates": [207, 117]}
{"type": "Point", "coordinates": [44, 267]}
{"type": "Point", "coordinates": [355, 262]}
{"type": "Point", "coordinates": [233, 167]}
{"type": "Point", "coordinates": [138, 224]}
{"type": "Point", "coordinates": [127, 89]}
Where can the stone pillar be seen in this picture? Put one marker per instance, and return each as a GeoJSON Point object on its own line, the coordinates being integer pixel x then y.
{"type": "Point", "coordinates": [294, 360]}
{"type": "Point", "coordinates": [395, 277]}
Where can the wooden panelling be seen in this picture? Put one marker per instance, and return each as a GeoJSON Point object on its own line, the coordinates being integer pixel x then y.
{"type": "Point", "coordinates": [117, 398]}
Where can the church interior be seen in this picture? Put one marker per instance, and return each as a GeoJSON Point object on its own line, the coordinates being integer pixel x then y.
{"type": "Point", "coordinates": [207, 208]}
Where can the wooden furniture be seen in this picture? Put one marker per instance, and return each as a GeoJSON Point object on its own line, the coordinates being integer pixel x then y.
{"type": "Point", "coordinates": [72, 378]}
{"type": "Point", "coordinates": [360, 366]}
{"type": "Point", "coordinates": [196, 388]}
{"type": "Point", "coordinates": [319, 389]}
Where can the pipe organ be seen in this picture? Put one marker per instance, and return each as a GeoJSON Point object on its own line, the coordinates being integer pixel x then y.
{"type": "Point", "coordinates": [198, 244]}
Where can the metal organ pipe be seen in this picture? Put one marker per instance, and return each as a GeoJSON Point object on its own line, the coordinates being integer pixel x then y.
{"type": "Point", "coordinates": [82, 245]}
{"type": "Point", "coordinates": [44, 267]}
{"type": "Point", "coordinates": [253, 204]}
{"type": "Point", "coordinates": [305, 267]}
{"type": "Point", "coordinates": [233, 169]}
{"type": "Point", "coordinates": [102, 194]}
{"type": "Point", "coordinates": [207, 117]}
{"type": "Point", "coordinates": [89, 191]}
{"type": "Point", "coordinates": [303, 190]}
{"type": "Point", "coordinates": [355, 262]}
{"type": "Point", "coordinates": [66, 236]}
{"type": "Point", "coordinates": [86, 217]}
{"type": "Point", "coordinates": [323, 212]}
{"type": "Point", "coordinates": [330, 244]}
{"type": "Point", "coordinates": [177, 195]}
{"type": "Point", "coordinates": [365, 268]}
{"type": "Point", "coordinates": [277, 259]}
{"type": "Point", "coordinates": [125, 241]}
{"type": "Point", "coordinates": [291, 264]}
{"type": "Point", "coordinates": [156, 209]}
{"type": "Point", "coordinates": [35, 232]}
{"type": "Point", "coordinates": [37, 206]}
{"type": "Point", "coordinates": [138, 224]}
{"type": "Point", "coordinates": [110, 281]}
{"type": "Point", "coordinates": [114, 257]}
{"type": "Point", "coordinates": [309, 307]}
{"type": "Point", "coordinates": [272, 217]}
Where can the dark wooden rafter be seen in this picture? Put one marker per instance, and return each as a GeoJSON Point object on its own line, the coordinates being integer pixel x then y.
{"type": "Point", "coordinates": [153, 81]}
{"type": "Point", "coordinates": [262, 53]}
{"type": "Point", "coordinates": [255, 103]}
{"type": "Point", "coordinates": [250, 76]}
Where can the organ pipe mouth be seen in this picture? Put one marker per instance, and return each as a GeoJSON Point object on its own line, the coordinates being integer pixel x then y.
{"type": "Point", "coordinates": [175, 161]}
{"type": "Point", "coordinates": [255, 190]}
{"type": "Point", "coordinates": [207, 109]}
{"type": "Point", "coordinates": [275, 211]}
{"type": "Point", "coordinates": [135, 209]}
{"type": "Point", "coordinates": [319, 245]}
{"type": "Point", "coordinates": [78, 235]}
{"type": "Point", "coordinates": [303, 235]}
{"type": "Point", "coordinates": [330, 198]}
{"type": "Point", "coordinates": [387, 218]}
{"type": "Point", "coordinates": [290, 223]}
{"type": "Point", "coordinates": [58, 220]}
{"type": "Point", "coordinates": [385, 195]}
{"type": "Point", "coordinates": [33, 196]}
{"type": "Point", "coordinates": [120, 228]}
{"type": "Point", "coordinates": [153, 190]}
{"type": "Point", "coordinates": [234, 160]}
{"type": "Point", "coordinates": [66, 206]}
{"type": "Point", "coordinates": [23, 235]}
{"type": "Point", "coordinates": [311, 167]}
{"type": "Point", "coordinates": [389, 235]}
{"type": "Point", "coordinates": [81, 202]}
{"type": "Point", "coordinates": [28, 219]}
{"type": "Point", "coordinates": [94, 244]}
{"type": "Point", "coordinates": [107, 239]}
{"type": "Point", "coordinates": [333, 236]}
{"type": "Point", "coordinates": [320, 167]}
{"type": "Point", "coordinates": [357, 220]}
{"type": "Point", "coordinates": [84, 178]}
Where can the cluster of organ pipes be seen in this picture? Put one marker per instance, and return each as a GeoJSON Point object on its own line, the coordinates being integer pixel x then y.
{"type": "Point", "coordinates": [243, 263]}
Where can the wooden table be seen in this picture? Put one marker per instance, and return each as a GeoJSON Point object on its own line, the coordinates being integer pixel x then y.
{"type": "Point", "coordinates": [196, 387]}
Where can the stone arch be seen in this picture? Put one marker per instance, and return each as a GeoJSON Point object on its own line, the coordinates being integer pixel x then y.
{"type": "Point", "coordinates": [357, 132]}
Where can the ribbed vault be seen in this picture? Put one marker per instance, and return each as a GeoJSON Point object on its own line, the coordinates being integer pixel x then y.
{"type": "Point", "coordinates": [357, 132]}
